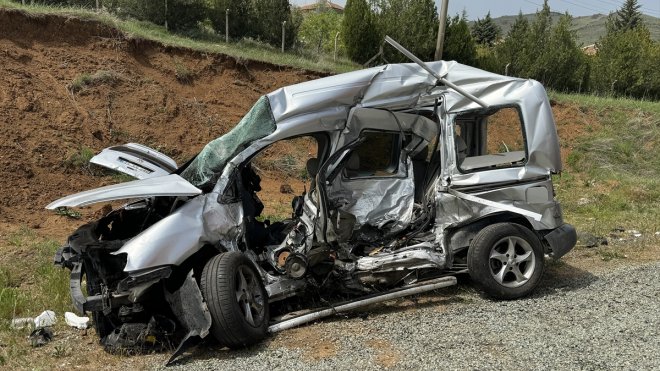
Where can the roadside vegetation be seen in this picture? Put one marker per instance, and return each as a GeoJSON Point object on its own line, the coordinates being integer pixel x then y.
{"type": "Point", "coordinates": [201, 39]}
{"type": "Point", "coordinates": [610, 187]}
{"type": "Point", "coordinates": [29, 284]}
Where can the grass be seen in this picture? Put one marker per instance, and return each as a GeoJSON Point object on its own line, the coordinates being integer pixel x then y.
{"type": "Point", "coordinates": [204, 41]}
{"type": "Point", "coordinates": [29, 284]}
{"type": "Point", "coordinates": [79, 159]}
{"type": "Point", "coordinates": [612, 177]}
{"type": "Point", "coordinates": [86, 80]}
{"type": "Point", "coordinates": [182, 73]}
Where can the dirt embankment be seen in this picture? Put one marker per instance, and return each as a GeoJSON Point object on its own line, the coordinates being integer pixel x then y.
{"type": "Point", "coordinates": [70, 85]}
{"type": "Point", "coordinates": [172, 99]}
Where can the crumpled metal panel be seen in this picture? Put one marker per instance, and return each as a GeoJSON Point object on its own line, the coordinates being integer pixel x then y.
{"type": "Point", "coordinates": [408, 85]}
{"type": "Point", "coordinates": [423, 255]}
{"type": "Point", "coordinates": [169, 185]}
{"type": "Point", "coordinates": [543, 156]}
{"type": "Point", "coordinates": [179, 235]}
{"type": "Point", "coordinates": [378, 201]}
{"type": "Point", "coordinates": [452, 210]}
{"type": "Point", "coordinates": [369, 118]}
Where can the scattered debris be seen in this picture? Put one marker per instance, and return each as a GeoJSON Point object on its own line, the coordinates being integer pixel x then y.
{"type": "Point", "coordinates": [286, 189]}
{"type": "Point", "coordinates": [41, 336]}
{"type": "Point", "coordinates": [73, 320]}
{"type": "Point", "coordinates": [590, 240]}
{"type": "Point", "coordinates": [45, 319]}
{"type": "Point", "coordinates": [20, 323]}
{"type": "Point", "coordinates": [584, 201]}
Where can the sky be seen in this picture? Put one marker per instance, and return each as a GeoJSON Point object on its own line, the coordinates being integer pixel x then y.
{"type": "Point", "coordinates": [478, 8]}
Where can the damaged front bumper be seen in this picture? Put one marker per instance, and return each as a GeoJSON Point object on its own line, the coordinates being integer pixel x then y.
{"type": "Point", "coordinates": [134, 311]}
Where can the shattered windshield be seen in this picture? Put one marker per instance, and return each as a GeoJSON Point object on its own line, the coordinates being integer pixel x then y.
{"type": "Point", "coordinates": [205, 169]}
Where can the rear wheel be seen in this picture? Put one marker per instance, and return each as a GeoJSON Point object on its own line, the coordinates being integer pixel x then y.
{"type": "Point", "coordinates": [236, 298]}
{"type": "Point", "coordinates": [506, 260]}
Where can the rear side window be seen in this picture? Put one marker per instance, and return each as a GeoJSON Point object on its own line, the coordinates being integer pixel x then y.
{"type": "Point", "coordinates": [378, 155]}
{"type": "Point", "coordinates": [492, 139]}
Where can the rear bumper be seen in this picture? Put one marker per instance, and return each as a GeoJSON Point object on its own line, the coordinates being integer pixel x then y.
{"type": "Point", "coordinates": [561, 240]}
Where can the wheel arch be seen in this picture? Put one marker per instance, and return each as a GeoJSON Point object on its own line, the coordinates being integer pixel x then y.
{"type": "Point", "coordinates": [459, 237]}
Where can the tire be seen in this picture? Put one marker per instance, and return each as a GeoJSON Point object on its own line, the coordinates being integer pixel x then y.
{"type": "Point", "coordinates": [236, 298]}
{"type": "Point", "coordinates": [506, 260]}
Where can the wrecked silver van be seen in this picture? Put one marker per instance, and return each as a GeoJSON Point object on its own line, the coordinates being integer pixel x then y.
{"type": "Point", "coordinates": [422, 171]}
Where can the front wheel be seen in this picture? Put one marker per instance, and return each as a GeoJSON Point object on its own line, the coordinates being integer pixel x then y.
{"type": "Point", "coordinates": [236, 298]}
{"type": "Point", "coordinates": [506, 260]}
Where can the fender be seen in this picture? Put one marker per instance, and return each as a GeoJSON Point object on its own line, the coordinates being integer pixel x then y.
{"type": "Point", "coordinates": [176, 237]}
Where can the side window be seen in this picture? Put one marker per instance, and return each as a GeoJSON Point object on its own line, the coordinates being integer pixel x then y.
{"type": "Point", "coordinates": [378, 155]}
{"type": "Point", "coordinates": [494, 139]}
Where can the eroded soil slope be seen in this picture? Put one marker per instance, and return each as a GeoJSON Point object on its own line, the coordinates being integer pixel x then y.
{"type": "Point", "coordinates": [71, 87]}
{"type": "Point", "coordinates": [68, 85]}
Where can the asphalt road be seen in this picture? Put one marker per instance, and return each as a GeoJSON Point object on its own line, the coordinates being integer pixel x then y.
{"type": "Point", "coordinates": [575, 320]}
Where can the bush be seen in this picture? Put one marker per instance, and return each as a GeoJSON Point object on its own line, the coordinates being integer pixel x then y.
{"type": "Point", "coordinates": [628, 64]}
{"type": "Point", "coordinates": [361, 35]}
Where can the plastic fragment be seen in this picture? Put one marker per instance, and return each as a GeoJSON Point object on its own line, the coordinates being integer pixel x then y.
{"type": "Point", "coordinates": [45, 319]}
{"type": "Point", "coordinates": [19, 323]}
{"type": "Point", "coordinates": [73, 320]}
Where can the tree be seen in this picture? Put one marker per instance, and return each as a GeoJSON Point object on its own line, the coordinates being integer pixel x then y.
{"type": "Point", "coordinates": [267, 16]}
{"type": "Point", "coordinates": [563, 63]}
{"type": "Point", "coordinates": [412, 23]}
{"type": "Point", "coordinates": [628, 17]}
{"type": "Point", "coordinates": [240, 15]}
{"type": "Point", "coordinates": [485, 31]}
{"type": "Point", "coordinates": [627, 63]}
{"type": "Point", "coordinates": [185, 14]}
{"type": "Point", "coordinates": [545, 53]}
{"type": "Point", "coordinates": [513, 50]}
{"type": "Point", "coordinates": [318, 31]}
{"type": "Point", "coordinates": [361, 35]}
{"type": "Point", "coordinates": [459, 44]}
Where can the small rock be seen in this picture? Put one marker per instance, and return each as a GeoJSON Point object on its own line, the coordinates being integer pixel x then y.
{"type": "Point", "coordinates": [24, 104]}
{"type": "Point", "coordinates": [286, 189]}
{"type": "Point", "coordinates": [589, 240]}
{"type": "Point", "coordinates": [98, 134]}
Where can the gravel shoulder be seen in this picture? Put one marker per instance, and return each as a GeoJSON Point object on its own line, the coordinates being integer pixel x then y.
{"type": "Point", "coordinates": [575, 320]}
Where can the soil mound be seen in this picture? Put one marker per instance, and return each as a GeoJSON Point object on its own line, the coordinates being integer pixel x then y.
{"type": "Point", "coordinates": [71, 87]}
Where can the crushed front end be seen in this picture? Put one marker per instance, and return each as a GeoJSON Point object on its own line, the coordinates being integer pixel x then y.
{"type": "Point", "coordinates": [152, 309]}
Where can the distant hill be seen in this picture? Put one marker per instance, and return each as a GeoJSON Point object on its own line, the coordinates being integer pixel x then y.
{"type": "Point", "coordinates": [589, 28]}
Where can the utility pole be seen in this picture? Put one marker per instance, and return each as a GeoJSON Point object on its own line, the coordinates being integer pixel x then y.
{"type": "Point", "coordinates": [227, 26]}
{"type": "Point", "coordinates": [283, 35]}
{"type": "Point", "coordinates": [167, 28]}
{"type": "Point", "coordinates": [336, 36]}
{"type": "Point", "coordinates": [441, 30]}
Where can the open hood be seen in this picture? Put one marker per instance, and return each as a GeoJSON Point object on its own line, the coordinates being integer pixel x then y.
{"type": "Point", "coordinates": [168, 185]}
{"type": "Point", "coordinates": [135, 160]}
